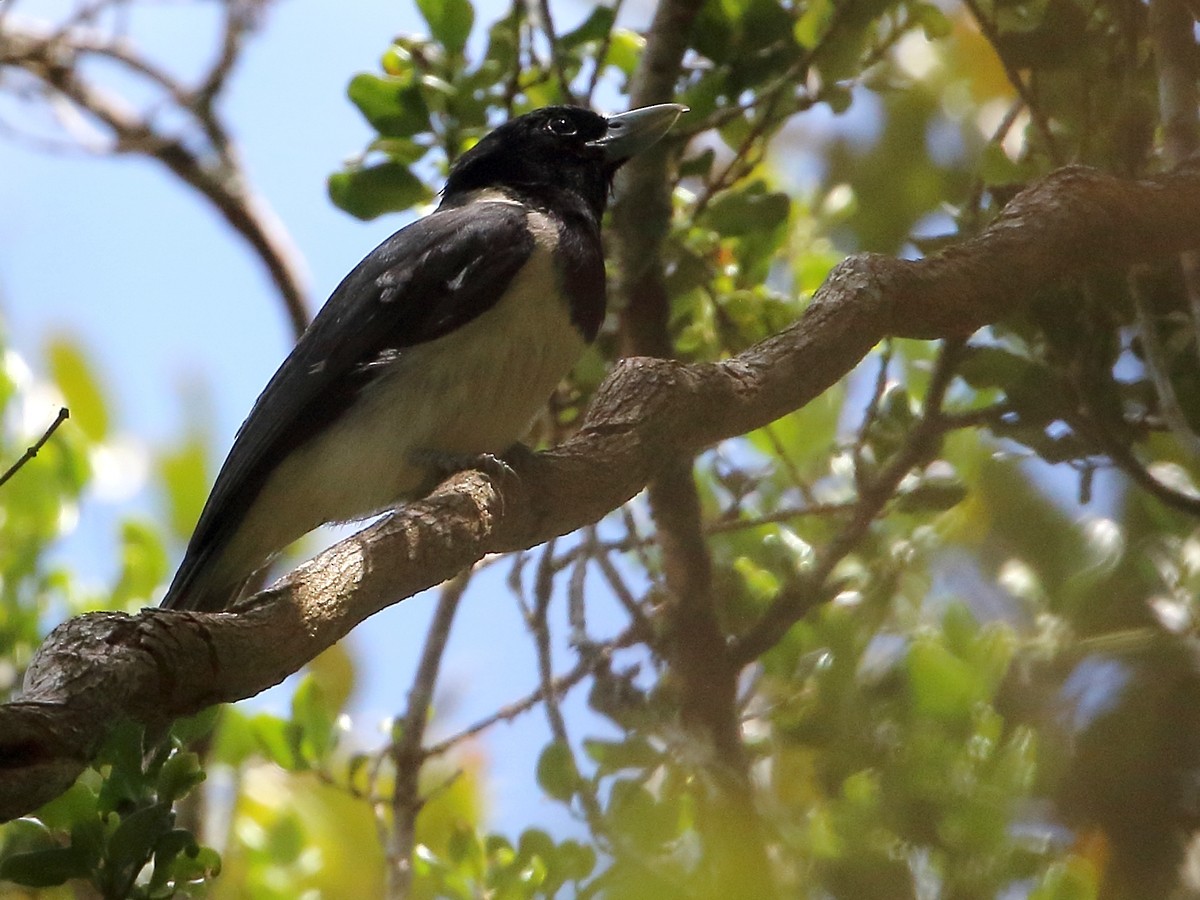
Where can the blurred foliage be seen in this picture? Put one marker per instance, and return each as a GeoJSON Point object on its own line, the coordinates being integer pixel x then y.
{"type": "Point", "coordinates": [997, 697]}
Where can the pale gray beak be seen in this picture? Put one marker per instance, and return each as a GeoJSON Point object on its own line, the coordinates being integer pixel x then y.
{"type": "Point", "coordinates": [629, 133]}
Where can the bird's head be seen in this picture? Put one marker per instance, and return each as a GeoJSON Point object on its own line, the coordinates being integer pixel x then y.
{"type": "Point", "coordinates": [559, 148]}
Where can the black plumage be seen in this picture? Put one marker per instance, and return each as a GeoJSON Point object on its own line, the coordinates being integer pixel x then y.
{"type": "Point", "coordinates": [445, 341]}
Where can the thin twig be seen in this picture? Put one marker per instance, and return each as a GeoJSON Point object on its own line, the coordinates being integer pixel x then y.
{"type": "Point", "coordinates": [406, 753]}
{"type": "Point", "coordinates": [556, 60]}
{"type": "Point", "coordinates": [641, 624]}
{"type": "Point", "coordinates": [988, 28]}
{"type": "Point", "coordinates": [539, 628]}
{"type": "Point", "coordinates": [1171, 33]}
{"type": "Point", "coordinates": [813, 586]}
{"type": "Point", "coordinates": [602, 54]}
{"type": "Point", "coordinates": [63, 415]}
{"type": "Point", "coordinates": [1158, 367]}
{"type": "Point", "coordinates": [559, 685]}
{"type": "Point", "coordinates": [872, 412]}
{"type": "Point", "coordinates": [53, 57]}
{"type": "Point", "coordinates": [576, 606]}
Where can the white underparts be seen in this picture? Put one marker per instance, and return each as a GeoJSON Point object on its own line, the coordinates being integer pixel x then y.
{"type": "Point", "coordinates": [474, 391]}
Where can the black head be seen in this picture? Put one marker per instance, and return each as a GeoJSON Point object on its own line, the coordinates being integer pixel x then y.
{"type": "Point", "coordinates": [557, 151]}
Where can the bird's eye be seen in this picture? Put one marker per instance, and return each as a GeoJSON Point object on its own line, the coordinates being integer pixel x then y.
{"type": "Point", "coordinates": [562, 126]}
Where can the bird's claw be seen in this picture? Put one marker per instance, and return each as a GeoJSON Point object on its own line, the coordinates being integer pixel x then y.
{"type": "Point", "coordinates": [447, 464]}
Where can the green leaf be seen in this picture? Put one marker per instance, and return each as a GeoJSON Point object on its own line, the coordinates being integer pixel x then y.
{"type": "Point", "coordinates": [1074, 879]}
{"type": "Point", "coordinates": [175, 844]}
{"type": "Point", "coordinates": [556, 772]}
{"type": "Point", "coordinates": [535, 842]}
{"type": "Point", "coordinates": [813, 22]}
{"type": "Point", "coordinates": [76, 378]}
{"type": "Point", "coordinates": [760, 583]}
{"type": "Point", "coordinates": [236, 738]}
{"type": "Point", "coordinates": [125, 782]}
{"type": "Point", "coordinates": [143, 563]}
{"type": "Point", "coordinates": [738, 213]}
{"type": "Point", "coordinates": [636, 813]}
{"type": "Point", "coordinates": [996, 168]}
{"type": "Point", "coordinates": [192, 728]}
{"type": "Point", "coordinates": [594, 28]}
{"type": "Point", "coordinates": [465, 850]}
{"type": "Point", "coordinates": [185, 475]}
{"type": "Point", "coordinates": [394, 106]}
{"type": "Point", "coordinates": [133, 842]}
{"type": "Point", "coordinates": [942, 685]}
{"type": "Point", "coordinates": [449, 21]}
{"type": "Point", "coordinates": [179, 774]}
{"type": "Point", "coordinates": [402, 150]}
{"type": "Point", "coordinates": [935, 23]}
{"type": "Point", "coordinates": [189, 866]}
{"type": "Point", "coordinates": [374, 190]}
{"type": "Point", "coordinates": [625, 50]}
{"type": "Point", "coordinates": [286, 840]}
{"type": "Point", "coordinates": [633, 753]}
{"type": "Point", "coordinates": [279, 740]}
{"type": "Point", "coordinates": [44, 868]}
{"type": "Point", "coordinates": [89, 838]}
{"type": "Point", "coordinates": [698, 166]}
{"type": "Point", "coordinates": [933, 494]}
{"type": "Point", "coordinates": [314, 718]}
{"type": "Point", "coordinates": [26, 835]}
{"type": "Point", "coordinates": [576, 860]}
{"type": "Point", "coordinates": [76, 804]}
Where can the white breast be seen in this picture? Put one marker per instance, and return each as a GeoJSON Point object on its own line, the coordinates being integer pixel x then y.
{"type": "Point", "coordinates": [473, 391]}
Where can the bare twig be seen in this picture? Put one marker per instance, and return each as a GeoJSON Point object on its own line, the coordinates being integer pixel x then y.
{"type": "Point", "coordinates": [988, 28]}
{"type": "Point", "coordinates": [539, 627]}
{"type": "Point", "coordinates": [813, 586]}
{"type": "Point", "coordinates": [576, 606]}
{"type": "Point", "coordinates": [558, 687]}
{"type": "Point", "coordinates": [602, 54]}
{"type": "Point", "coordinates": [406, 753]}
{"type": "Point", "coordinates": [1158, 367]}
{"type": "Point", "coordinates": [872, 412]}
{"type": "Point", "coordinates": [556, 60]}
{"type": "Point", "coordinates": [641, 625]}
{"type": "Point", "coordinates": [1171, 32]}
{"type": "Point", "coordinates": [54, 58]}
{"type": "Point", "coordinates": [32, 451]}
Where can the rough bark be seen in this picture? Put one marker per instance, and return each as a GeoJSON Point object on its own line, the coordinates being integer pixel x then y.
{"type": "Point", "coordinates": [159, 665]}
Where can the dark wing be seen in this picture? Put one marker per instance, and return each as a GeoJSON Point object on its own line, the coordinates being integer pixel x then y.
{"type": "Point", "coordinates": [421, 283]}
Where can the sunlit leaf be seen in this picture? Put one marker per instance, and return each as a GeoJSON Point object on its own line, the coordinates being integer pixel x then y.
{"type": "Point", "coordinates": [556, 772]}
{"type": "Point", "coordinates": [77, 379]}
{"type": "Point", "coordinates": [185, 474]}
{"type": "Point", "coordinates": [449, 21]}
{"type": "Point", "coordinates": [374, 190]}
{"type": "Point", "coordinates": [393, 105]}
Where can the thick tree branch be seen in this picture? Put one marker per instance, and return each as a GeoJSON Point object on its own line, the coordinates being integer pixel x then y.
{"type": "Point", "coordinates": [158, 665]}
{"type": "Point", "coordinates": [641, 218]}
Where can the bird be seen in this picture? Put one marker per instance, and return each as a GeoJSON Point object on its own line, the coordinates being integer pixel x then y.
{"type": "Point", "coordinates": [436, 351]}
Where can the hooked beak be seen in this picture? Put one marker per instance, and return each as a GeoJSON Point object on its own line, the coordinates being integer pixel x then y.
{"type": "Point", "coordinates": [629, 133]}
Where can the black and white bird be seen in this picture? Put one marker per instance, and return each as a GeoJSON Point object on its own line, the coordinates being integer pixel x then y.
{"type": "Point", "coordinates": [442, 344]}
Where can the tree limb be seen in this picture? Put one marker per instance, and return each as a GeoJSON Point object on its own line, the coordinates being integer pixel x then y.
{"type": "Point", "coordinates": [54, 58]}
{"type": "Point", "coordinates": [158, 665]}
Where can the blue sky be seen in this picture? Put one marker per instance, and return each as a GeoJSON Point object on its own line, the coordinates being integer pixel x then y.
{"type": "Point", "coordinates": [163, 296]}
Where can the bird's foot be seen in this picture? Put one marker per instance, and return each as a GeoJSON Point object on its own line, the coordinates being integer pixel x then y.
{"type": "Point", "coordinates": [445, 464]}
